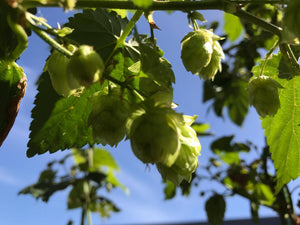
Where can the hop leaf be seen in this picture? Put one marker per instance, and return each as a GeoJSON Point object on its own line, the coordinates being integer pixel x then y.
{"type": "Point", "coordinates": [263, 95]}
{"type": "Point", "coordinates": [291, 17]}
{"type": "Point", "coordinates": [215, 209]}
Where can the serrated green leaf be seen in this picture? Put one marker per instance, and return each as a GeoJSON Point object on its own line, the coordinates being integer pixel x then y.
{"type": "Point", "coordinates": [98, 28]}
{"type": "Point", "coordinates": [229, 157]}
{"type": "Point", "coordinates": [77, 197]}
{"type": "Point", "coordinates": [283, 131]}
{"type": "Point", "coordinates": [232, 26]}
{"type": "Point", "coordinates": [122, 66]}
{"type": "Point", "coordinates": [103, 206]}
{"type": "Point", "coordinates": [215, 209]}
{"type": "Point", "coordinates": [224, 144]}
{"type": "Point", "coordinates": [45, 190]}
{"type": "Point", "coordinates": [59, 123]}
{"type": "Point", "coordinates": [142, 3]}
{"type": "Point", "coordinates": [230, 91]}
{"type": "Point", "coordinates": [111, 178]}
{"type": "Point", "coordinates": [237, 102]}
{"type": "Point", "coordinates": [156, 67]}
{"type": "Point", "coordinates": [47, 175]}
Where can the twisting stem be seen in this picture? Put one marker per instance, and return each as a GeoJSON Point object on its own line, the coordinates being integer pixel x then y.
{"type": "Point", "coordinates": [42, 34]}
{"type": "Point", "coordinates": [40, 20]}
{"type": "Point", "coordinates": [21, 37]}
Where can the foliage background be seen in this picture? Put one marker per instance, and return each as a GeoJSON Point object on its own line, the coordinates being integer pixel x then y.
{"type": "Point", "coordinates": [145, 202]}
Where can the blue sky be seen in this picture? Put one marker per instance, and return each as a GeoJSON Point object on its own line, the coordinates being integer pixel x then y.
{"type": "Point", "coordinates": [145, 202]}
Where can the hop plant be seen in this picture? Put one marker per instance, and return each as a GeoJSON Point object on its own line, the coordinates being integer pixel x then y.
{"type": "Point", "coordinates": [263, 95]}
{"type": "Point", "coordinates": [57, 65]}
{"type": "Point", "coordinates": [154, 135]}
{"type": "Point", "coordinates": [85, 67]}
{"type": "Point", "coordinates": [108, 116]}
{"type": "Point", "coordinates": [201, 53]}
{"type": "Point", "coordinates": [187, 160]}
{"type": "Point", "coordinates": [291, 17]}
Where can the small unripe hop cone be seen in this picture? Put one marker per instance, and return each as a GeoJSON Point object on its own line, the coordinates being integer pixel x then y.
{"type": "Point", "coordinates": [263, 95]}
{"type": "Point", "coordinates": [201, 53]}
{"type": "Point", "coordinates": [154, 136]}
{"type": "Point", "coordinates": [85, 67]}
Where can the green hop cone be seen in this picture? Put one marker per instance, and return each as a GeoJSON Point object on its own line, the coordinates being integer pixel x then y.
{"type": "Point", "coordinates": [56, 65]}
{"type": "Point", "coordinates": [263, 95]}
{"type": "Point", "coordinates": [85, 67]}
{"type": "Point", "coordinates": [214, 65]}
{"type": "Point", "coordinates": [108, 117]}
{"type": "Point", "coordinates": [200, 49]}
{"type": "Point", "coordinates": [154, 135]}
{"type": "Point", "coordinates": [187, 160]}
{"type": "Point", "coordinates": [291, 19]}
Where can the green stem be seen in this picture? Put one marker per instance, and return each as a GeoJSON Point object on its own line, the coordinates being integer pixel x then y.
{"type": "Point", "coordinates": [121, 41]}
{"type": "Point", "coordinates": [229, 6]}
{"type": "Point", "coordinates": [21, 37]}
{"type": "Point", "coordinates": [83, 212]}
{"type": "Point", "coordinates": [42, 34]}
{"type": "Point", "coordinates": [89, 217]}
{"type": "Point", "coordinates": [155, 6]}
{"type": "Point", "coordinates": [259, 22]}
{"type": "Point", "coordinates": [195, 24]}
{"type": "Point", "coordinates": [126, 85]}
{"type": "Point", "coordinates": [289, 55]}
{"type": "Point", "coordinates": [267, 56]}
{"type": "Point", "coordinates": [123, 4]}
{"type": "Point", "coordinates": [130, 25]}
{"type": "Point", "coordinates": [286, 209]}
{"type": "Point", "coordinates": [39, 20]}
{"type": "Point", "coordinates": [87, 185]}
